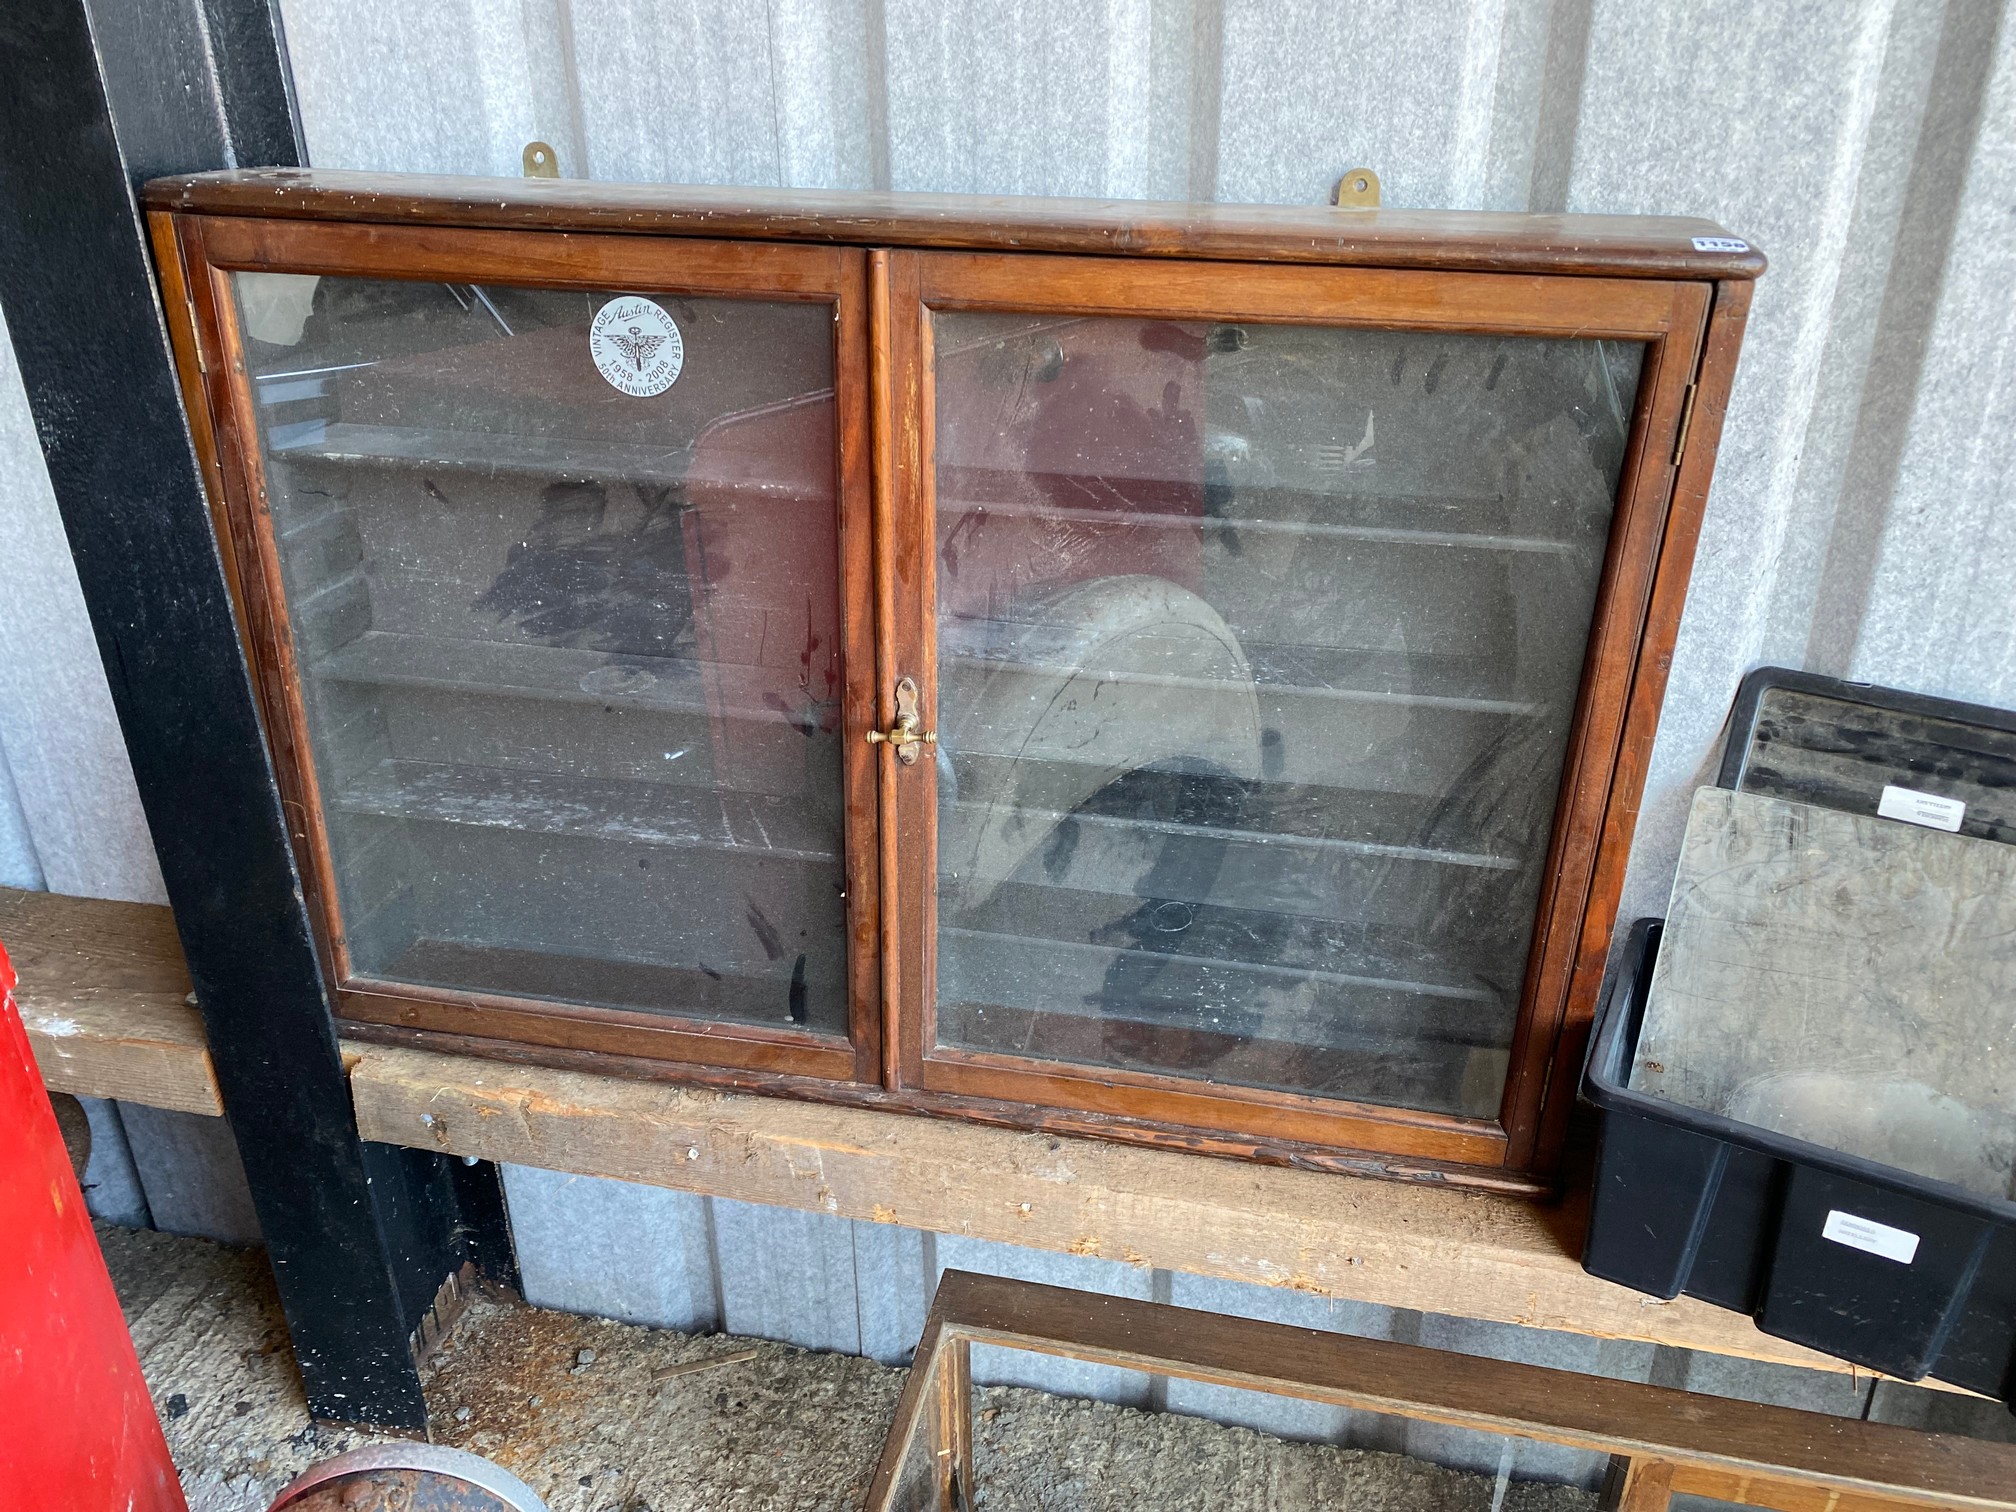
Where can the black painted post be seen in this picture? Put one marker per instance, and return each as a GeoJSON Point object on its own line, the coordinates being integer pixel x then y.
{"type": "Point", "coordinates": [361, 1236]}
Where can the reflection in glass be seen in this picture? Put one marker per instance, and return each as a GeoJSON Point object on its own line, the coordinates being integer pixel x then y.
{"type": "Point", "coordinates": [569, 655]}
{"type": "Point", "coordinates": [1258, 649]}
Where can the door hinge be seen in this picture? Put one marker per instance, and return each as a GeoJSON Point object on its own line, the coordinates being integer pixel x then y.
{"type": "Point", "coordinates": [1686, 423]}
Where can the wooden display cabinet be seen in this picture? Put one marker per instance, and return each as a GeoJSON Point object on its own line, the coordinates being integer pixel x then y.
{"type": "Point", "coordinates": [1178, 673]}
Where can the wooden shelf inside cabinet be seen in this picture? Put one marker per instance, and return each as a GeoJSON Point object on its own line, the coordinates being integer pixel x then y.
{"type": "Point", "coordinates": [341, 444]}
{"type": "Point", "coordinates": [1286, 671]}
{"type": "Point", "coordinates": [1227, 525]}
{"type": "Point", "coordinates": [1179, 672]}
{"type": "Point", "coordinates": [587, 679]}
{"type": "Point", "coordinates": [544, 803]}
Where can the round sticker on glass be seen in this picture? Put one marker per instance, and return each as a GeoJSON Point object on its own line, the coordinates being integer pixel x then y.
{"type": "Point", "coordinates": [636, 346]}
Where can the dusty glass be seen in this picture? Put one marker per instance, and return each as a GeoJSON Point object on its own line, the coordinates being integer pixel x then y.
{"type": "Point", "coordinates": [1037, 1452]}
{"type": "Point", "coordinates": [1844, 979]}
{"type": "Point", "coordinates": [1034, 1452]}
{"type": "Point", "coordinates": [561, 576]}
{"type": "Point", "coordinates": [1258, 652]}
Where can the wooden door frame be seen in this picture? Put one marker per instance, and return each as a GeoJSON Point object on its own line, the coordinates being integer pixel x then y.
{"type": "Point", "coordinates": [1609, 741]}
{"type": "Point", "coordinates": [205, 330]}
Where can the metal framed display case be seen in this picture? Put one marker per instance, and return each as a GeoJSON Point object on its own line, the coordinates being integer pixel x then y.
{"type": "Point", "coordinates": [1172, 672]}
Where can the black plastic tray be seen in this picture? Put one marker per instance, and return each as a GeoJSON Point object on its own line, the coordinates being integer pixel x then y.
{"type": "Point", "coordinates": [1837, 744]}
{"type": "Point", "coordinates": [1690, 1201]}
{"type": "Point", "coordinates": [1687, 1201]}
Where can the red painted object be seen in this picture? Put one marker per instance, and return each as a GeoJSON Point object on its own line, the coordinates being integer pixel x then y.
{"type": "Point", "coordinates": [77, 1428]}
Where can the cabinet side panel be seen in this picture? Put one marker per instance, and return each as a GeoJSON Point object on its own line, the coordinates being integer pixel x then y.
{"type": "Point", "coordinates": [1693, 476]}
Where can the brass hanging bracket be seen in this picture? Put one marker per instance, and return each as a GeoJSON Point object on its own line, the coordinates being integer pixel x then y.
{"type": "Point", "coordinates": [904, 735]}
{"type": "Point", "coordinates": [541, 161]}
{"type": "Point", "coordinates": [1357, 190]}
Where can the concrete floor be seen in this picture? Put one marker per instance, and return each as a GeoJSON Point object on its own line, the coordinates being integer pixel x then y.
{"type": "Point", "coordinates": [604, 1417]}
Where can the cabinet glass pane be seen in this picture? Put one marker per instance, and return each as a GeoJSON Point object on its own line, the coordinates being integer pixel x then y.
{"type": "Point", "coordinates": [1258, 650]}
{"type": "Point", "coordinates": [569, 655]}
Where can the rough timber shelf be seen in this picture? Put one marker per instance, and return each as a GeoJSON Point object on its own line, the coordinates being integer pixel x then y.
{"type": "Point", "coordinates": [105, 997]}
{"type": "Point", "coordinates": [1466, 1254]}
{"type": "Point", "coordinates": [104, 993]}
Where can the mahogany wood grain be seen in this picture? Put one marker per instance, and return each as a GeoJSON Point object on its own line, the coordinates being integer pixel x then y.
{"type": "Point", "coordinates": [531, 259]}
{"type": "Point", "coordinates": [645, 1068]}
{"type": "Point", "coordinates": [914, 564]}
{"type": "Point", "coordinates": [563, 1026]}
{"type": "Point", "coordinates": [1627, 245]}
{"type": "Point", "coordinates": [1252, 1111]}
{"type": "Point", "coordinates": [954, 1382]}
{"type": "Point", "coordinates": [210, 348]}
{"type": "Point", "coordinates": [1640, 699]}
{"type": "Point", "coordinates": [1637, 279]}
{"type": "Point", "coordinates": [861, 657]}
{"type": "Point", "coordinates": [1644, 1485]}
{"type": "Point", "coordinates": [1554, 997]}
{"type": "Point", "coordinates": [1381, 298]}
{"type": "Point", "coordinates": [1778, 1453]}
{"type": "Point", "coordinates": [270, 652]}
{"type": "Point", "coordinates": [1750, 1490]}
{"type": "Point", "coordinates": [114, 972]}
{"type": "Point", "coordinates": [919, 1424]}
{"type": "Point", "coordinates": [882, 371]}
{"type": "Point", "coordinates": [1668, 317]}
{"type": "Point", "coordinates": [176, 294]}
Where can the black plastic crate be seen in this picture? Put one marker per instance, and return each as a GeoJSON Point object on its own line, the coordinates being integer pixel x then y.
{"type": "Point", "coordinates": [1840, 745]}
{"type": "Point", "coordinates": [1687, 1201]}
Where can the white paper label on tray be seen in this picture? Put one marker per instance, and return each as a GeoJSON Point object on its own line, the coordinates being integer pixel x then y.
{"type": "Point", "coordinates": [1720, 244]}
{"type": "Point", "coordinates": [1871, 1237]}
{"type": "Point", "coordinates": [636, 346]}
{"type": "Point", "coordinates": [1928, 809]}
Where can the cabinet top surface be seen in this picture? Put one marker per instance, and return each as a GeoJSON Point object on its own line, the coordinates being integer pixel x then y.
{"type": "Point", "coordinates": [1489, 241]}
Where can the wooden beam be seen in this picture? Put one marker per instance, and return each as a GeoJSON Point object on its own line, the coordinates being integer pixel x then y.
{"type": "Point", "coordinates": [1464, 1254]}
{"type": "Point", "coordinates": [105, 996]}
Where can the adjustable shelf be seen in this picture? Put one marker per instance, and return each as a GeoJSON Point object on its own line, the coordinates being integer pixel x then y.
{"type": "Point", "coordinates": [1309, 529]}
{"type": "Point", "coordinates": [628, 813]}
{"type": "Point", "coordinates": [516, 669]}
{"type": "Point", "coordinates": [548, 459]}
{"type": "Point", "coordinates": [1344, 673]}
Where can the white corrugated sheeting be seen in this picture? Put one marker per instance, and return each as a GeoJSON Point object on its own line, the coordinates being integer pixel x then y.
{"type": "Point", "coordinates": [69, 817]}
{"type": "Point", "coordinates": [1868, 145]}
{"type": "Point", "coordinates": [1859, 524]}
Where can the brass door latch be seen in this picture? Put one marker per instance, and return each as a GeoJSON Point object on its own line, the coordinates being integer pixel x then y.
{"type": "Point", "coordinates": [904, 734]}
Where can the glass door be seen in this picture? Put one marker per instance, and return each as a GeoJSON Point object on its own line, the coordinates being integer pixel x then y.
{"type": "Point", "coordinates": [1260, 604]}
{"type": "Point", "coordinates": [543, 541]}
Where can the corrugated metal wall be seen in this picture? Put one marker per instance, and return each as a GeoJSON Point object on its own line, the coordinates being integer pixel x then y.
{"type": "Point", "coordinates": [1860, 522]}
